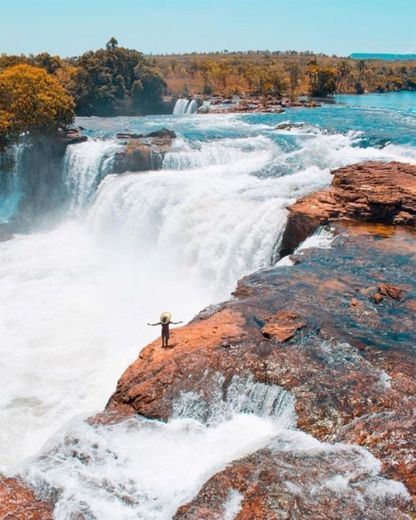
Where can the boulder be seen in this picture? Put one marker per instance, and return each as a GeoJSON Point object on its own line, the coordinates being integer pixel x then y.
{"type": "Point", "coordinates": [283, 325]}
{"type": "Point", "coordinates": [143, 152]}
{"type": "Point", "coordinates": [289, 126]}
{"type": "Point", "coordinates": [71, 136]}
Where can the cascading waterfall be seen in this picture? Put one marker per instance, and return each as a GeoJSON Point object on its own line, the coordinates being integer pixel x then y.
{"type": "Point", "coordinates": [85, 165]}
{"type": "Point", "coordinates": [188, 216]}
{"type": "Point", "coordinates": [178, 239]}
{"type": "Point", "coordinates": [192, 107]}
{"type": "Point", "coordinates": [10, 182]}
{"type": "Point", "coordinates": [184, 106]}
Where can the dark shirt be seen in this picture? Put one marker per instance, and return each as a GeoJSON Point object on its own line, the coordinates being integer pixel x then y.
{"type": "Point", "coordinates": [165, 329]}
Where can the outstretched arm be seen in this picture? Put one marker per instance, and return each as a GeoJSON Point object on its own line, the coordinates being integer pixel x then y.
{"type": "Point", "coordinates": [176, 322]}
{"type": "Point", "coordinates": [154, 324]}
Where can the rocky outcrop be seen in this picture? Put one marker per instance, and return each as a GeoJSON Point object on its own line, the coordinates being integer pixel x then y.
{"type": "Point", "coordinates": [143, 152]}
{"type": "Point", "coordinates": [348, 366]}
{"type": "Point", "coordinates": [366, 192]}
{"type": "Point", "coordinates": [334, 330]}
{"type": "Point", "coordinates": [71, 136]}
{"type": "Point", "coordinates": [18, 502]}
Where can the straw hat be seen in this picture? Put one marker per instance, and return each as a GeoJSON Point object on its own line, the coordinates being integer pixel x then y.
{"type": "Point", "coordinates": [165, 317]}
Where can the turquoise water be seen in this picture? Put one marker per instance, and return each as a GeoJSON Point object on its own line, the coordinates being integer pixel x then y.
{"type": "Point", "coordinates": [355, 128]}
{"type": "Point", "coordinates": [404, 101]}
{"type": "Point", "coordinates": [381, 119]}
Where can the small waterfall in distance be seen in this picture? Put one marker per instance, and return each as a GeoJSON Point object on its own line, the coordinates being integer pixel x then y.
{"type": "Point", "coordinates": [185, 107]}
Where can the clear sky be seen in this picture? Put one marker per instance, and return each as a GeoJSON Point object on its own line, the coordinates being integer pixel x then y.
{"type": "Point", "coordinates": [70, 27]}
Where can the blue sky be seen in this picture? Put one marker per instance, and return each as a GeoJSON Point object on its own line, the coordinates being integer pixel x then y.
{"type": "Point", "coordinates": [70, 27]}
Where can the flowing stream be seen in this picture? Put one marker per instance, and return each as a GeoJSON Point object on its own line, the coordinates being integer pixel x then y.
{"type": "Point", "coordinates": [75, 297]}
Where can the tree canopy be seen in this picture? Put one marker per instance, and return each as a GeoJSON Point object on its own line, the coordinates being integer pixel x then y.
{"type": "Point", "coordinates": [116, 80]}
{"type": "Point", "coordinates": [31, 100]}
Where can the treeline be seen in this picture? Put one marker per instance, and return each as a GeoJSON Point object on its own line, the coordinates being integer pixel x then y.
{"type": "Point", "coordinates": [288, 73]}
{"type": "Point", "coordinates": [42, 93]}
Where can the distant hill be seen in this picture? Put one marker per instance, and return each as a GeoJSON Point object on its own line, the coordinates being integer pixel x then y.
{"type": "Point", "coordinates": [386, 57]}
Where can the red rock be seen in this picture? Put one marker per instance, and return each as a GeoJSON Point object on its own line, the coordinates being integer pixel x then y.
{"type": "Point", "coordinates": [390, 290]}
{"type": "Point", "coordinates": [370, 191]}
{"type": "Point", "coordinates": [377, 297]}
{"type": "Point", "coordinates": [283, 326]}
{"type": "Point", "coordinates": [18, 502]}
{"type": "Point", "coordinates": [275, 484]}
{"type": "Point", "coordinates": [338, 369]}
{"type": "Point", "coordinates": [351, 370]}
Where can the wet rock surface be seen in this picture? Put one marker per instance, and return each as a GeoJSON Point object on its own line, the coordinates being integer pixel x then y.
{"type": "Point", "coordinates": [350, 367]}
{"type": "Point", "coordinates": [18, 502]}
{"type": "Point", "coordinates": [366, 192]}
{"type": "Point", "coordinates": [143, 152]}
{"type": "Point", "coordinates": [277, 484]}
{"type": "Point", "coordinates": [337, 330]}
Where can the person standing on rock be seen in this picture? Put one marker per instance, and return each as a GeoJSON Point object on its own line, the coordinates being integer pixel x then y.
{"type": "Point", "coordinates": [165, 321]}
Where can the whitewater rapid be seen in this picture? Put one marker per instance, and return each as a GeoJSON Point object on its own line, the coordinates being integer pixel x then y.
{"type": "Point", "coordinates": [75, 300]}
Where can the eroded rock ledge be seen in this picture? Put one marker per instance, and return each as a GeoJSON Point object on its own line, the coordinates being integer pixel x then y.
{"type": "Point", "coordinates": [336, 329]}
{"type": "Point", "coordinates": [365, 192]}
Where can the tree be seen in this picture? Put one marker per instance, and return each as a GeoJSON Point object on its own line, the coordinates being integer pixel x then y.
{"type": "Point", "coordinates": [343, 70]}
{"type": "Point", "coordinates": [111, 44]}
{"type": "Point", "coordinates": [31, 100]}
{"type": "Point", "coordinates": [294, 74]}
{"type": "Point", "coordinates": [361, 70]}
{"type": "Point", "coordinates": [322, 80]}
{"type": "Point", "coordinates": [116, 80]}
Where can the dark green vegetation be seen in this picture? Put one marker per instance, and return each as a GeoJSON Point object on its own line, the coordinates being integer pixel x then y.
{"type": "Point", "coordinates": [116, 80]}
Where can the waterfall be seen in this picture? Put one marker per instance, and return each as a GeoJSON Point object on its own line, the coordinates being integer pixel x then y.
{"type": "Point", "coordinates": [76, 297]}
{"type": "Point", "coordinates": [85, 165]}
{"type": "Point", "coordinates": [184, 106]}
{"type": "Point", "coordinates": [10, 182]}
{"type": "Point", "coordinates": [192, 107]}
{"type": "Point", "coordinates": [242, 395]}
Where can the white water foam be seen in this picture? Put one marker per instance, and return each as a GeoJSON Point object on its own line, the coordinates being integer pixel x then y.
{"type": "Point", "coordinates": [140, 469]}
{"type": "Point", "coordinates": [147, 469]}
{"type": "Point", "coordinates": [85, 164]}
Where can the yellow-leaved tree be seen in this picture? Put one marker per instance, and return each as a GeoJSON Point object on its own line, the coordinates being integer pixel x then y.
{"type": "Point", "coordinates": [31, 100]}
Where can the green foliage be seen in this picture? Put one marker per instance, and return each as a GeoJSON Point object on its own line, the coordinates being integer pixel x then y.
{"type": "Point", "coordinates": [31, 100]}
{"type": "Point", "coordinates": [116, 80]}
